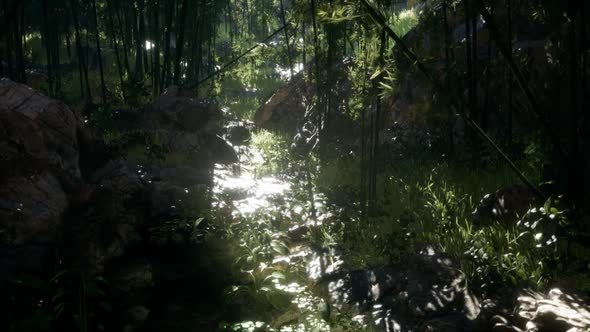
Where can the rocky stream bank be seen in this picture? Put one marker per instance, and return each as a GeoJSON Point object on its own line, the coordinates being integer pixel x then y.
{"type": "Point", "coordinates": [72, 211]}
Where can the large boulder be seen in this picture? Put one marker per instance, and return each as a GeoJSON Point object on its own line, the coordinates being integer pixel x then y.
{"type": "Point", "coordinates": [47, 202]}
{"type": "Point", "coordinates": [292, 105]}
{"type": "Point", "coordinates": [109, 220]}
{"type": "Point", "coordinates": [425, 292]}
{"type": "Point", "coordinates": [286, 108]}
{"type": "Point", "coordinates": [175, 111]}
{"type": "Point", "coordinates": [187, 126]}
{"type": "Point", "coordinates": [37, 127]}
{"type": "Point", "coordinates": [187, 130]}
{"type": "Point", "coordinates": [31, 209]}
{"type": "Point", "coordinates": [39, 161]}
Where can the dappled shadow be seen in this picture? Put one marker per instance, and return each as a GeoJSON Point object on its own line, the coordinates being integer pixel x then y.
{"type": "Point", "coordinates": [554, 311]}
{"type": "Point", "coordinates": [423, 290]}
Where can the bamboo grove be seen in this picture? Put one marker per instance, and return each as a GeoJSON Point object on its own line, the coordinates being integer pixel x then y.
{"type": "Point", "coordinates": [155, 43]}
{"type": "Point", "coordinates": [123, 51]}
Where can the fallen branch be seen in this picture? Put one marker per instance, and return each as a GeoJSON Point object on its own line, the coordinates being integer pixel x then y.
{"type": "Point", "coordinates": [505, 51]}
{"type": "Point", "coordinates": [438, 86]}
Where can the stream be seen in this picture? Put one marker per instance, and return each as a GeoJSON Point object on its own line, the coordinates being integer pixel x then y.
{"type": "Point", "coordinates": [255, 269]}
{"type": "Point", "coordinates": [287, 266]}
{"type": "Point", "coordinates": [264, 260]}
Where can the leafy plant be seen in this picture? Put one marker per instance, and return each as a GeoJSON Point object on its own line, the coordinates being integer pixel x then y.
{"type": "Point", "coordinates": [274, 152]}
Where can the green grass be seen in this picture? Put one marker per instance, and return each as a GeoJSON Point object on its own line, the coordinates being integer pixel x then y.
{"type": "Point", "coordinates": [430, 202]}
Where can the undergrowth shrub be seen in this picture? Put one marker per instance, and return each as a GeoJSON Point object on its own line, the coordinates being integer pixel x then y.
{"type": "Point", "coordinates": [274, 152]}
{"type": "Point", "coordinates": [432, 202]}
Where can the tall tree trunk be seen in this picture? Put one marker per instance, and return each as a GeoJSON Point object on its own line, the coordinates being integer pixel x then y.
{"type": "Point", "coordinates": [475, 66]}
{"type": "Point", "coordinates": [303, 53]}
{"type": "Point", "coordinates": [110, 10]}
{"type": "Point", "coordinates": [47, 41]}
{"type": "Point", "coordinates": [585, 107]}
{"type": "Point", "coordinates": [376, 120]}
{"type": "Point", "coordinates": [4, 37]}
{"type": "Point", "coordinates": [68, 43]}
{"type": "Point", "coordinates": [10, 10]}
{"type": "Point", "coordinates": [450, 115]}
{"type": "Point", "coordinates": [364, 173]}
{"type": "Point", "coordinates": [474, 104]}
{"type": "Point", "coordinates": [510, 85]}
{"type": "Point", "coordinates": [485, 111]}
{"type": "Point", "coordinates": [156, 37]}
{"type": "Point", "coordinates": [126, 40]}
{"type": "Point", "coordinates": [99, 53]}
{"type": "Point", "coordinates": [138, 43]}
{"type": "Point", "coordinates": [166, 69]}
{"type": "Point", "coordinates": [318, 84]}
{"type": "Point", "coordinates": [180, 42]}
{"type": "Point", "coordinates": [56, 58]}
{"type": "Point", "coordinates": [194, 47]}
{"type": "Point", "coordinates": [20, 64]}
{"type": "Point", "coordinates": [283, 19]}
{"type": "Point", "coordinates": [469, 71]}
{"type": "Point", "coordinates": [575, 174]}
{"type": "Point", "coordinates": [468, 52]}
{"type": "Point", "coordinates": [84, 86]}
{"type": "Point", "coordinates": [142, 34]}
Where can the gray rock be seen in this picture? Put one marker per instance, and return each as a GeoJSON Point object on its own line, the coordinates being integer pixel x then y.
{"type": "Point", "coordinates": [176, 112]}
{"type": "Point", "coordinates": [38, 127]}
{"type": "Point", "coordinates": [38, 164]}
{"type": "Point", "coordinates": [189, 127]}
{"type": "Point", "coordinates": [31, 209]}
{"type": "Point", "coordinates": [291, 105]}
{"type": "Point", "coordinates": [552, 312]}
{"type": "Point", "coordinates": [222, 152]}
{"type": "Point", "coordinates": [108, 220]}
{"type": "Point", "coordinates": [45, 202]}
{"type": "Point", "coordinates": [116, 176]}
{"type": "Point", "coordinates": [424, 292]}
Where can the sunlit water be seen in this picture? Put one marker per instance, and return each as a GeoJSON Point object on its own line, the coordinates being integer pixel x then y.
{"type": "Point", "coordinates": [240, 185]}
{"type": "Point", "coordinates": [245, 193]}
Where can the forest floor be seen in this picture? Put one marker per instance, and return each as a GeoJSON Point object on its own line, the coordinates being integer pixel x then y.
{"type": "Point", "coordinates": [256, 259]}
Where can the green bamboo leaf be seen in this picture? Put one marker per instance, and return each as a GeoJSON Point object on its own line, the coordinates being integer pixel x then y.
{"type": "Point", "coordinates": [386, 86]}
{"type": "Point", "coordinates": [377, 73]}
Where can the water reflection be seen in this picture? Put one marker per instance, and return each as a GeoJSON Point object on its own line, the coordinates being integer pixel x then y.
{"type": "Point", "coordinates": [240, 186]}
